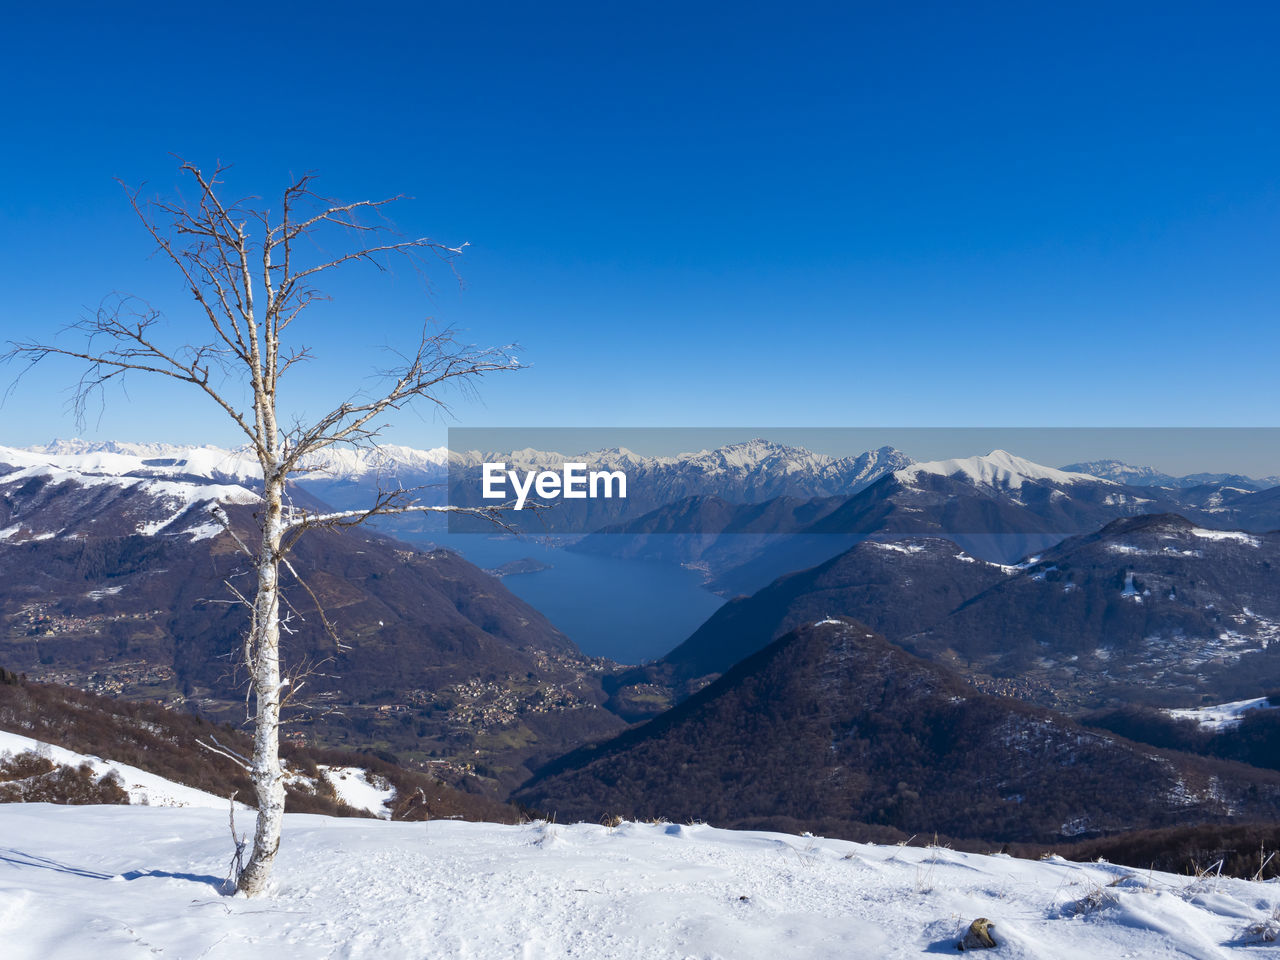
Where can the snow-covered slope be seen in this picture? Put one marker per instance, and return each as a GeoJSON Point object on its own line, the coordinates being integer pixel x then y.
{"type": "Point", "coordinates": [118, 458]}
{"type": "Point", "coordinates": [47, 494]}
{"type": "Point", "coordinates": [142, 787]}
{"type": "Point", "coordinates": [999, 468]}
{"type": "Point", "coordinates": [124, 882]}
{"type": "Point", "coordinates": [354, 788]}
{"type": "Point", "coordinates": [1122, 472]}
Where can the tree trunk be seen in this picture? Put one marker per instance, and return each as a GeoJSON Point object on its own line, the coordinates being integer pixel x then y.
{"type": "Point", "coordinates": [266, 771]}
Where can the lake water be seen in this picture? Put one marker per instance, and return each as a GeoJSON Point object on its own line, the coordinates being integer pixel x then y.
{"type": "Point", "coordinates": [627, 610]}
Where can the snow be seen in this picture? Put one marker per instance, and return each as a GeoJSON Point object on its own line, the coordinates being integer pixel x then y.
{"type": "Point", "coordinates": [1012, 568]}
{"type": "Point", "coordinates": [907, 548]}
{"type": "Point", "coordinates": [119, 459]}
{"type": "Point", "coordinates": [1128, 548]}
{"type": "Point", "coordinates": [390, 460]}
{"type": "Point", "coordinates": [1122, 472]}
{"type": "Point", "coordinates": [1222, 715]}
{"type": "Point", "coordinates": [353, 788]}
{"type": "Point", "coordinates": [999, 469]}
{"type": "Point", "coordinates": [124, 882]}
{"type": "Point", "coordinates": [1120, 500]}
{"type": "Point", "coordinates": [1235, 535]}
{"type": "Point", "coordinates": [142, 787]}
{"type": "Point", "coordinates": [179, 492]}
{"type": "Point", "coordinates": [204, 531]}
{"type": "Point", "coordinates": [109, 468]}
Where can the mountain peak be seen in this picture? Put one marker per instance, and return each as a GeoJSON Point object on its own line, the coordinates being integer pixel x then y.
{"type": "Point", "coordinates": [999, 468]}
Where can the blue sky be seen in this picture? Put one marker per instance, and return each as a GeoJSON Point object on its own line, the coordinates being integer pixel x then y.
{"type": "Point", "coordinates": [784, 214]}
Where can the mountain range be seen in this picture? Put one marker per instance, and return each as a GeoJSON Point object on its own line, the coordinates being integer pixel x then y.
{"type": "Point", "coordinates": [746, 473]}
{"type": "Point", "coordinates": [1130, 475]}
{"type": "Point", "coordinates": [999, 595]}
{"type": "Point", "coordinates": [1149, 609]}
{"type": "Point", "coordinates": [120, 581]}
{"type": "Point", "coordinates": [998, 507]}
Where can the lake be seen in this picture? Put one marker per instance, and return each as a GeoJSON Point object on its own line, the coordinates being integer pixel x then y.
{"type": "Point", "coordinates": [627, 610]}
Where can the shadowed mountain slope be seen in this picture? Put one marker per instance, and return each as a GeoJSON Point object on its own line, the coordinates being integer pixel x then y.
{"type": "Point", "coordinates": [834, 727]}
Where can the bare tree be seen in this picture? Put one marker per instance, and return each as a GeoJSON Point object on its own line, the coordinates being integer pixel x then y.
{"type": "Point", "coordinates": [252, 272]}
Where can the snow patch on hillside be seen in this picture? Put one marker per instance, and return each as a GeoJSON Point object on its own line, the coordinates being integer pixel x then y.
{"type": "Point", "coordinates": [1234, 535]}
{"type": "Point", "coordinates": [354, 788]}
{"type": "Point", "coordinates": [1222, 715]}
{"type": "Point", "coordinates": [142, 787]}
{"type": "Point", "coordinates": [908, 548]}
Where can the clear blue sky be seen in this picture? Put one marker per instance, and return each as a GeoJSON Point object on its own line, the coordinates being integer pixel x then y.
{"type": "Point", "coordinates": [696, 214]}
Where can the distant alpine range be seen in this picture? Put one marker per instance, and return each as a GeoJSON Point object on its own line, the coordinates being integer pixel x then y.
{"type": "Point", "coordinates": [752, 472]}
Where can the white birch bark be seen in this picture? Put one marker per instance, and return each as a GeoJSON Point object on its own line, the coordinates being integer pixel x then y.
{"type": "Point", "coordinates": [266, 771]}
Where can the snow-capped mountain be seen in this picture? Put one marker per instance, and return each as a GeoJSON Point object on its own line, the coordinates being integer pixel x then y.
{"type": "Point", "coordinates": [1000, 507]}
{"type": "Point", "coordinates": [999, 469]}
{"type": "Point", "coordinates": [170, 474]}
{"type": "Point", "coordinates": [752, 472]}
{"type": "Point", "coordinates": [1122, 472]}
{"type": "Point", "coordinates": [740, 472]}
{"type": "Point", "coordinates": [749, 472]}
{"type": "Point", "coordinates": [759, 466]}
{"type": "Point", "coordinates": [1139, 476]}
{"type": "Point", "coordinates": [114, 493]}
{"type": "Point", "coordinates": [999, 493]}
{"type": "Point", "coordinates": [142, 459]}
{"type": "Point", "coordinates": [745, 472]}
{"type": "Point", "coordinates": [1153, 603]}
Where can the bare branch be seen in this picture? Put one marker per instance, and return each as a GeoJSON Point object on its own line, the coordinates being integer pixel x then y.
{"type": "Point", "coordinates": [243, 762]}
{"type": "Point", "coordinates": [329, 628]}
{"type": "Point", "coordinates": [438, 360]}
{"type": "Point", "coordinates": [132, 348]}
{"type": "Point", "coordinates": [220, 515]}
{"type": "Point", "coordinates": [350, 518]}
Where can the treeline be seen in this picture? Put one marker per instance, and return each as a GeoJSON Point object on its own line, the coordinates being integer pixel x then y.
{"type": "Point", "coordinates": [1238, 850]}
